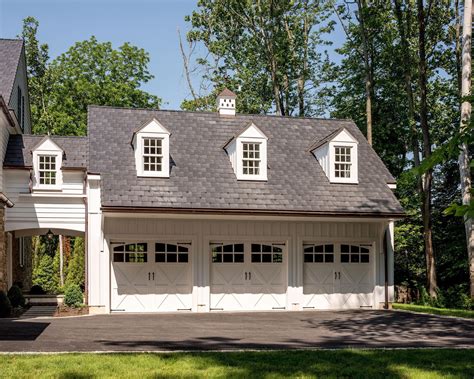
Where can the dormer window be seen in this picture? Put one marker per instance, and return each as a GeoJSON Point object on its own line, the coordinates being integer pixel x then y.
{"type": "Point", "coordinates": [251, 158]}
{"type": "Point", "coordinates": [152, 152]}
{"type": "Point", "coordinates": [47, 170]}
{"type": "Point", "coordinates": [47, 161]}
{"type": "Point", "coordinates": [248, 153]}
{"type": "Point", "coordinates": [342, 161]}
{"type": "Point", "coordinates": [337, 154]}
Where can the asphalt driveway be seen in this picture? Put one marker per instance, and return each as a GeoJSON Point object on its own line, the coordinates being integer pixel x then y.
{"type": "Point", "coordinates": [232, 331]}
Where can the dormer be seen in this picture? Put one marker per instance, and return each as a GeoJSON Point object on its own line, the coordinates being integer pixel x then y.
{"type": "Point", "coordinates": [226, 103]}
{"type": "Point", "coordinates": [338, 156]}
{"type": "Point", "coordinates": [47, 162]}
{"type": "Point", "coordinates": [248, 154]}
{"type": "Point", "coordinates": [151, 143]}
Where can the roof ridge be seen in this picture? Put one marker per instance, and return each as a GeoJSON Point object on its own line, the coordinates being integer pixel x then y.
{"type": "Point", "coordinates": [12, 39]}
{"type": "Point", "coordinates": [216, 114]}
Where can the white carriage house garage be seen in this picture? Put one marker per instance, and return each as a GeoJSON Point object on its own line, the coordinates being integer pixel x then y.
{"type": "Point", "coordinates": [209, 212]}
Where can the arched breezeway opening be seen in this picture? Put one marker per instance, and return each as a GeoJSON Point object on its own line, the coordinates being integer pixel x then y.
{"type": "Point", "coordinates": [43, 260]}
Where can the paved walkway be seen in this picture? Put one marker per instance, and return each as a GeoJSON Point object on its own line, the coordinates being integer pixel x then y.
{"type": "Point", "coordinates": [230, 331]}
{"type": "Point", "coordinates": [39, 311]}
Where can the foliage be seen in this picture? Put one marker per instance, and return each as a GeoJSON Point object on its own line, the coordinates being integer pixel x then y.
{"type": "Point", "coordinates": [268, 51]}
{"type": "Point", "coordinates": [15, 295]}
{"type": "Point", "coordinates": [395, 363]}
{"type": "Point", "coordinates": [73, 296]}
{"type": "Point", "coordinates": [435, 310]}
{"type": "Point", "coordinates": [37, 290]}
{"type": "Point", "coordinates": [76, 267]}
{"type": "Point", "coordinates": [45, 276]}
{"type": "Point", "coordinates": [5, 305]}
{"type": "Point", "coordinates": [89, 73]}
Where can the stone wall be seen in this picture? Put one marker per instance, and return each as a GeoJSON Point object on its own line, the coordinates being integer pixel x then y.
{"type": "Point", "coordinates": [3, 252]}
{"type": "Point", "coordinates": [22, 273]}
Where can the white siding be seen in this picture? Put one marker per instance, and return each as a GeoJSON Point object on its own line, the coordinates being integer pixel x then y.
{"type": "Point", "coordinates": [201, 232]}
{"type": "Point", "coordinates": [4, 135]}
{"type": "Point", "coordinates": [63, 210]}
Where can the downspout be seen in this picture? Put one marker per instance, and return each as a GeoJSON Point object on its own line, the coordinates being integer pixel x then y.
{"type": "Point", "coordinates": [385, 264]}
{"type": "Point", "coordinates": [86, 243]}
{"type": "Point", "coordinates": [6, 201]}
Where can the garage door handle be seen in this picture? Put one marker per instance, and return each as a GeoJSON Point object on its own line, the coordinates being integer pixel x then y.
{"type": "Point", "coordinates": [153, 276]}
{"type": "Point", "coordinates": [250, 276]}
{"type": "Point", "coordinates": [148, 276]}
{"type": "Point", "coordinates": [335, 275]}
{"type": "Point", "coordinates": [339, 275]}
{"type": "Point", "coordinates": [245, 275]}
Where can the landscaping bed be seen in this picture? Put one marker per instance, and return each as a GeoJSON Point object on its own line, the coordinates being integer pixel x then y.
{"type": "Point", "coordinates": [65, 311]}
{"type": "Point", "coordinates": [423, 363]}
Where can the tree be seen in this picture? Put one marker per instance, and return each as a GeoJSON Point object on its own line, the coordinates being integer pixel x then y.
{"type": "Point", "coordinates": [90, 72]}
{"type": "Point", "coordinates": [76, 268]}
{"type": "Point", "coordinates": [45, 275]}
{"type": "Point", "coordinates": [267, 50]}
{"type": "Point", "coordinates": [464, 167]}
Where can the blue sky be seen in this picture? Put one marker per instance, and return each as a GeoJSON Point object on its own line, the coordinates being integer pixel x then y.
{"type": "Point", "coordinates": [150, 24]}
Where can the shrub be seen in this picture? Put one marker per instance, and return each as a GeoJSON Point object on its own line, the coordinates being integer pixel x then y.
{"type": "Point", "coordinates": [45, 275]}
{"type": "Point", "coordinates": [16, 297]}
{"type": "Point", "coordinates": [73, 296]}
{"type": "Point", "coordinates": [75, 269]}
{"type": "Point", "coordinates": [5, 306]}
{"type": "Point", "coordinates": [37, 290]}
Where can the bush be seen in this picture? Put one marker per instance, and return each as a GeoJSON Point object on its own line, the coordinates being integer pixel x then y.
{"type": "Point", "coordinates": [45, 276]}
{"type": "Point", "coordinates": [37, 290]}
{"type": "Point", "coordinates": [5, 306]}
{"type": "Point", "coordinates": [16, 297]}
{"type": "Point", "coordinates": [73, 296]}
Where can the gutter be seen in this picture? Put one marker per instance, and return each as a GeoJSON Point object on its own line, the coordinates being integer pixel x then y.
{"type": "Point", "coordinates": [6, 201]}
{"type": "Point", "coordinates": [220, 211]}
{"type": "Point", "coordinates": [86, 242]}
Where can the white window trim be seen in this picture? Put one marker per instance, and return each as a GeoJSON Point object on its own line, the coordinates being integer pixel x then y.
{"type": "Point", "coordinates": [262, 176]}
{"type": "Point", "coordinates": [354, 178]}
{"type": "Point", "coordinates": [59, 176]}
{"type": "Point", "coordinates": [165, 150]}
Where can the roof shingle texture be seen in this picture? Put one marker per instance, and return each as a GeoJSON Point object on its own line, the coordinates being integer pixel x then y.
{"type": "Point", "coordinates": [201, 175]}
{"type": "Point", "coordinates": [10, 51]}
{"type": "Point", "coordinates": [19, 150]}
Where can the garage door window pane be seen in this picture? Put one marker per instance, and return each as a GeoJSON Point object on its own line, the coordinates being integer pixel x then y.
{"type": "Point", "coordinates": [167, 253]}
{"type": "Point", "coordinates": [227, 253]}
{"type": "Point", "coordinates": [355, 253]}
{"type": "Point", "coordinates": [318, 253]}
{"type": "Point", "coordinates": [267, 253]}
{"type": "Point", "coordinates": [131, 253]}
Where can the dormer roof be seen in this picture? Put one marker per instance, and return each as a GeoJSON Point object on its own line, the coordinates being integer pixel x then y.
{"type": "Point", "coordinates": [226, 93]}
{"type": "Point", "coordinates": [202, 180]}
{"type": "Point", "coordinates": [340, 132]}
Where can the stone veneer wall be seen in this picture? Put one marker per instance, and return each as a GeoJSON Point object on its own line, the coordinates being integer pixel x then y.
{"type": "Point", "coordinates": [22, 275]}
{"type": "Point", "coordinates": [3, 252]}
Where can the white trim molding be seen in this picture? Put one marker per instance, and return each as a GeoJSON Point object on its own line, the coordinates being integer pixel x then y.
{"type": "Point", "coordinates": [47, 148]}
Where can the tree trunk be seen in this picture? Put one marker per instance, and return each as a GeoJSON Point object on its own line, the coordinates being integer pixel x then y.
{"type": "Point", "coordinates": [464, 168]}
{"type": "Point", "coordinates": [362, 6]}
{"type": "Point", "coordinates": [428, 176]}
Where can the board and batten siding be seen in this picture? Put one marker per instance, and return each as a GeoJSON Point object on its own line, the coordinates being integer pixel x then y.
{"type": "Point", "coordinates": [45, 210]}
{"type": "Point", "coordinates": [203, 231]}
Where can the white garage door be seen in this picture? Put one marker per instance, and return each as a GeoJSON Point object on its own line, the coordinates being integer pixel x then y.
{"type": "Point", "coordinates": [151, 277]}
{"type": "Point", "coordinates": [338, 276]}
{"type": "Point", "coordinates": [248, 276]}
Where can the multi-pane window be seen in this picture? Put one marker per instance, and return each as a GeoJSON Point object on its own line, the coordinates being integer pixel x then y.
{"type": "Point", "coordinates": [318, 253]}
{"type": "Point", "coordinates": [47, 169]}
{"type": "Point", "coordinates": [342, 162]}
{"type": "Point", "coordinates": [267, 253]}
{"type": "Point", "coordinates": [171, 253]}
{"type": "Point", "coordinates": [251, 158]}
{"type": "Point", "coordinates": [227, 253]}
{"type": "Point", "coordinates": [355, 253]}
{"type": "Point", "coordinates": [152, 154]}
{"type": "Point", "coordinates": [131, 253]}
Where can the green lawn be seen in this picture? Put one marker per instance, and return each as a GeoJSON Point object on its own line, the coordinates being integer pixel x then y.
{"type": "Point", "coordinates": [435, 311]}
{"type": "Point", "coordinates": [425, 363]}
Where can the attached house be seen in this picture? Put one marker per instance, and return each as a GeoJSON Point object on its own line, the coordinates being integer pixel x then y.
{"type": "Point", "coordinates": [14, 120]}
{"type": "Point", "coordinates": [199, 211]}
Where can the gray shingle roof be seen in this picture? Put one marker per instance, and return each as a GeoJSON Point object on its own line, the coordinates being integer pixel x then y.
{"type": "Point", "coordinates": [201, 175]}
{"type": "Point", "coordinates": [20, 147]}
{"type": "Point", "coordinates": [10, 51]}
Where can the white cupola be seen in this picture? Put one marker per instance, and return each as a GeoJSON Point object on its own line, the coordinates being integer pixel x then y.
{"type": "Point", "coordinates": [226, 103]}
